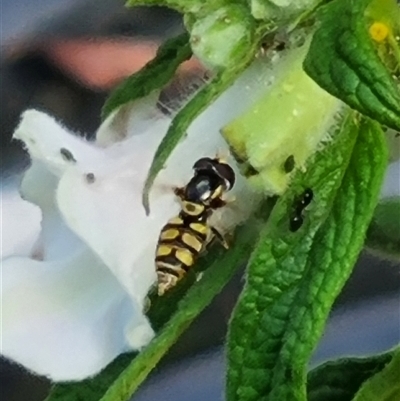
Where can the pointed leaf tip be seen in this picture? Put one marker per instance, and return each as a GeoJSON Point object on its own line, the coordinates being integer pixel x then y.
{"type": "Point", "coordinates": [154, 75]}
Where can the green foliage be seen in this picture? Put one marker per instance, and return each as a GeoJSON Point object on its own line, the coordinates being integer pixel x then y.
{"type": "Point", "coordinates": [269, 9]}
{"type": "Point", "coordinates": [90, 389]}
{"type": "Point", "coordinates": [154, 75]}
{"type": "Point", "coordinates": [201, 7]}
{"type": "Point", "coordinates": [383, 386]}
{"type": "Point", "coordinates": [384, 231]}
{"type": "Point", "coordinates": [293, 278]}
{"type": "Point", "coordinates": [343, 59]}
{"type": "Point", "coordinates": [222, 37]}
{"type": "Point", "coordinates": [341, 379]}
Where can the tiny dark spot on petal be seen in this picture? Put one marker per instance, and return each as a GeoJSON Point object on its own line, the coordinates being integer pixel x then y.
{"type": "Point", "coordinates": [67, 155]}
{"type": "Point", "coordinates": [90, 178]}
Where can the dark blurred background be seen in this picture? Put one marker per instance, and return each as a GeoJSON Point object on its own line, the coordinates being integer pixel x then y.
{"type": "Point", "coordinates": [64, 57]}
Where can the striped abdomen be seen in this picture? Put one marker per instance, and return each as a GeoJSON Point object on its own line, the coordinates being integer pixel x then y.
{"type": "Point", "coordinates": [180, 242]}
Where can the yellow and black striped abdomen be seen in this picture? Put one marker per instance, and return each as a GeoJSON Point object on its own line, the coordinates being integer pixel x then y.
{"type": "Point", "coordinates": [179, 245]}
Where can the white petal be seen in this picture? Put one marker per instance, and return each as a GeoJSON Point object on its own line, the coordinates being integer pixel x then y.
{"type": "Point", "coordinates": [391, 184]}
{"type": "Point", "coordinates": [46, 140]}
{"type": "Point", "coordinates": [56, 240]}
{"type": "Point", "coordinates": [65, 320]}
{"type": "Point", "coordinates": [20, 223]}
{"type": "Point", "coordinates": [107, 214]}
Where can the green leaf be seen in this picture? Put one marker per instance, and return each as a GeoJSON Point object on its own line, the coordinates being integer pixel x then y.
{"type": "Point", "coordinates": [343, 59]}
{"type": "Point", "coordinates": [294, 277]}
{"type": "Point", "coordinates": [383, 386]}
{"type": "Point", "coordinates": [183, 119]}
{"type": "Point", "coordinates": [384, 232]}
{"type": "Point", "coordinates": [154, 75]}
{"type": "Point", "coordinates": [90, 389]}
{"type": "Point", "coordinates": [340, 380]}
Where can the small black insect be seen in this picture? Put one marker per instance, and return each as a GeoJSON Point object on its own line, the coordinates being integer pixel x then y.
{"type": "Point", "coordinates": [296, 222]}
{"type": "Point", "coordinates": [305, 200]}
{"type": "Point", "coordinates": [297, 219]}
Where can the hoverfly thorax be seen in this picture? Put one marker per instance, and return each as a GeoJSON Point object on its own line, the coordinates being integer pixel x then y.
{"type": "Point", "coordinates": [184, 237]}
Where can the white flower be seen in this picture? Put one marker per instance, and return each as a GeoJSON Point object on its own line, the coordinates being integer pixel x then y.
{"type": "Point", "coordinates": [73, 290]}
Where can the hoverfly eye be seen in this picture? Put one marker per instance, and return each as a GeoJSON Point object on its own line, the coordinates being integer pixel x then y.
{"type": "Point", "coordinates": [205, 163]}
{"type": "Point", "coordinates": [225, 171]}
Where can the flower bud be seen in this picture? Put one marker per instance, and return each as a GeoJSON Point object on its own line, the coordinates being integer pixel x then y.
{"type": "Point", "coordinates": [221, 38]}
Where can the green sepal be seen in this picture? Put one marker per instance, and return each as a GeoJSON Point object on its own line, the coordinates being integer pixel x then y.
{"type": "Point", "coordinates": [223, 37]}
{"type": "Point", "coordinates": [154, 75]}
{"type": "Point", "coordinates": [340, 380]}
{"type": "Point", "coordinates": [293, 278]}
{"type": "Point", "coordinates": [344, 60]}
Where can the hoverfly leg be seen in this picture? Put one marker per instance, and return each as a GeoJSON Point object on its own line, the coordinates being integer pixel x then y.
{"type": "Point", "coordinates": [179, 192]}
{"type": "Point", "coordinates": [219, 237]}
{"type": "Point", "coordinates": [217, 203]}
